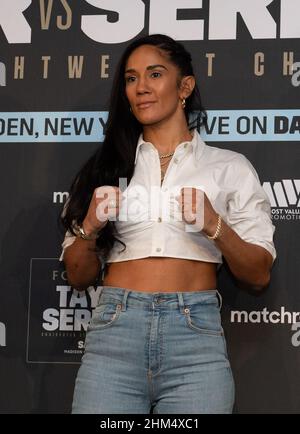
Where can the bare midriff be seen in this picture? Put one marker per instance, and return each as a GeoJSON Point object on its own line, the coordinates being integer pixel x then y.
{"type": "Point", "coordinates": [155, 274]}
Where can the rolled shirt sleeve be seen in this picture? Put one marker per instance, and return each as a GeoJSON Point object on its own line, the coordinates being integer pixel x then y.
{"type": "Point", "coordinates": [69, 237]}
{"type": "Point", "coordinates": [68, 240]}
{"type": "Point", "coordinates": [249, 208]}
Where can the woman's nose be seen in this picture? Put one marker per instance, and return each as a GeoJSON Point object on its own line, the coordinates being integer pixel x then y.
{"type": "Point", "coordinates": [142, 86]}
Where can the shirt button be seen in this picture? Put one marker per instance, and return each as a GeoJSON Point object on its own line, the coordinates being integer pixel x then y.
{"type": "Point", "coordinates": [158, 249]}
{"type": "Point", "coordinates": [185, 145]}
{"type": "Point", "coordinates": [175, 160]}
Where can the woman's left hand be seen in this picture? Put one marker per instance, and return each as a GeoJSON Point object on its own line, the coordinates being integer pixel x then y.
{"type": "Point", "coordinates": [197, 210]}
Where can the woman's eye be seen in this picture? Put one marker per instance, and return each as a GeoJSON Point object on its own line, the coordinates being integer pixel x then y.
{"type": "Point", "coordinates": [129, 79]}
{"type": "Point", "coordinates": [156, 74]}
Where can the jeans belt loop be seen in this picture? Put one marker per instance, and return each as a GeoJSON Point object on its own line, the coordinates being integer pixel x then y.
{"type": "Point", "coordinates": [124, 301]}
{"type": "Point", "coordinates": [181, 302]}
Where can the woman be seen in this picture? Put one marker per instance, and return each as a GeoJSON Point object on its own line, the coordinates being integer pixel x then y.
{"type": "Point", "coordinates": [155, 338]}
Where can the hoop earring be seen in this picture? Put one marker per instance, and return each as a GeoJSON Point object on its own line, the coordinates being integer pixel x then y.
{"type": "Point", "coordinates": [183, 103]}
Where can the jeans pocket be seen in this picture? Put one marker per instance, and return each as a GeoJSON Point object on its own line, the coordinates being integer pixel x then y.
{"type": "Point", "coordinates": [105, 315]}
{"type": "Point", "coordinates": [204, 319]}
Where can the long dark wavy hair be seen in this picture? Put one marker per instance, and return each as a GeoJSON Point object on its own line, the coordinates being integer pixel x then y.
{"type": "Point", "coordinates": [114, 158]}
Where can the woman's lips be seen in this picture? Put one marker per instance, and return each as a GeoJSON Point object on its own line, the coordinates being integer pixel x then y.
{"type": "Point", "coordinates": [144, 105]}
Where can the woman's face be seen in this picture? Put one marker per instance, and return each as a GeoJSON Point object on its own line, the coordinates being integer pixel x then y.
{"type": "Point", "coordinates": [151, 85]}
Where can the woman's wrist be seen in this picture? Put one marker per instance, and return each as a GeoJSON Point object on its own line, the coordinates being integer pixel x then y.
{"type": "Point", "coordinates": [87, 232]}
{"type": "Point", "coordinates": [87, 235]}
{"type": "Point", "coordinates": [92, 229]}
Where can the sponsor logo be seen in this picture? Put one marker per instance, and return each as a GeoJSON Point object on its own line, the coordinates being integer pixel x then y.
{"type": "Point", "coordinates": [57, 321]}
{"type": "Point", "coordinates": [2, 335]}
{"type": "Point", "coordinates": [60, 196]}
{"type": "Point", "coordinates": [284, 198]}
{"type": "Point", "coordinates": [265, 316]}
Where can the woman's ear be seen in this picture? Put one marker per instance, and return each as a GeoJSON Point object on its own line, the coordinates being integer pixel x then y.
{"type": "Point", "coordinates": [187, 86]}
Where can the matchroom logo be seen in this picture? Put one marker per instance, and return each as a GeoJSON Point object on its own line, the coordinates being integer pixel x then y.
{"type": "Point", "coordinates": [274, 318]}
{"type": "Point", "coordinates": [285, 199]}
{"type": "Point", "coordinates": [265, 316]}
{"type": "Point", "coordinates": [58, 315]}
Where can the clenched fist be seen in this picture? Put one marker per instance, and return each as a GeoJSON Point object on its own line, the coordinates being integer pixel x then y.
{"type": "Point", "coordinates": [196, 209]}
{"type": "Point", "coordinates": [104, 206]}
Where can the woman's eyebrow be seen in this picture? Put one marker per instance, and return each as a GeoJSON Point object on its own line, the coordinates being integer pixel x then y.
{"type": "Point", "coordinates": [150, 67]}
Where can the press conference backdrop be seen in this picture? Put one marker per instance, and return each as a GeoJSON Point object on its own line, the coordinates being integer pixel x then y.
{"type": "Point", "coordinates": [57, 61]}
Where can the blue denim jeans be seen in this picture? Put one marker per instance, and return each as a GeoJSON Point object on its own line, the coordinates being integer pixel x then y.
{"type": "Point", "coordinates": [155, 353]}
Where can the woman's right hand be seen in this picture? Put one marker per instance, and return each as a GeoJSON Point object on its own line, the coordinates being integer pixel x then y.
{"type": "Point", "coordinates": [100, 210]}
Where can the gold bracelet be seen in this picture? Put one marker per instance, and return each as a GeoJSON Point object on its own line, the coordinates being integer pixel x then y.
{"type": "Point", "coordinates": [218, 230]}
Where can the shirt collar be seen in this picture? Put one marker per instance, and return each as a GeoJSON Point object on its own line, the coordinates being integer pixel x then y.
{"type": "Point", "coordinates": [197, 143]}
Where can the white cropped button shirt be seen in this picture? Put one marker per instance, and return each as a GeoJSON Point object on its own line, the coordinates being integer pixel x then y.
{"type": "Point", "coordinates": [150, 222]}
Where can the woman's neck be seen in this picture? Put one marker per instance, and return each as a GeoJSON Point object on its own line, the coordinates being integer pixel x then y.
{"type": "Point", "coordinates": [165, 139]}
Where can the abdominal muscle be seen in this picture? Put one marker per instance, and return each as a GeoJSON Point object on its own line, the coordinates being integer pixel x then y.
{"type": "Point", "coordinates": [155, 274]}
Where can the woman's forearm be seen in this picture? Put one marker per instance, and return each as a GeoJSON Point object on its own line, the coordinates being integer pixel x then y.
{"type": "Point", "coordinates": [82, 263]}
{"type": "Point", "coordinates": [249, 263]}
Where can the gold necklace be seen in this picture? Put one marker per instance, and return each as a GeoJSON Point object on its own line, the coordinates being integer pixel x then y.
{"type": "Point", "coordinates": [163, 164]}
{"type": "Point", "coordinates": [166, 155]}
